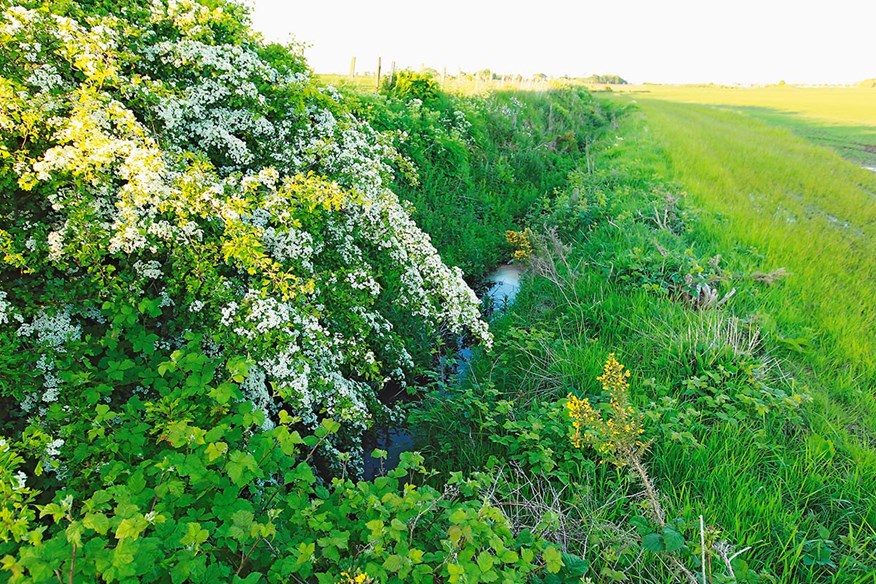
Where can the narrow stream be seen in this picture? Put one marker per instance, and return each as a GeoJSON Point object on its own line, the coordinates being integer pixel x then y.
{"type": "Point", "coordinates": [506, 285]}
{"type": "Point", "coordinates": [498, 297]}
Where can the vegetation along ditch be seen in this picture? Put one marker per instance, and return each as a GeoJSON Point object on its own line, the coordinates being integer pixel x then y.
{"type": "Point", "coordinates": [257, 328]}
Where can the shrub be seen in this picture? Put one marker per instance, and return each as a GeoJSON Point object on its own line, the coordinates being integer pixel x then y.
{"type": "Point", "coordinates": [204, 282]}
{"type": "Point", "coordinates": [409, 85]}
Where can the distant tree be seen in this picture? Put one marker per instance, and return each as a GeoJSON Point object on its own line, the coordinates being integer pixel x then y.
{"type": "Point", "coordinates": [610, 79]}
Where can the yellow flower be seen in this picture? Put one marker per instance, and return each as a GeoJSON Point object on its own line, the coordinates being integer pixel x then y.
{"type": "Point", "coordinates": [358, 578]}
{"type": "Point", "coordinates": [521, 241]}
{"type": "Point", "coordinates": [616, 437]}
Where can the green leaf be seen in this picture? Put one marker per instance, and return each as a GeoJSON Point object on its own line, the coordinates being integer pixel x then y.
{"type": "Point", "coordinates": [485, 561]}
{"type": "Point", "coordinates": [642, 525]}
{"type": "Point", "coordinates": [131, 528]}
{"type": "Point", "coordinates": [509, 557]}
{"type": "Point", "coordinates": [456, 572]}
{"type": "Point", "coordinates": [305, 552]}
{"type": "Point", "coordinates": [653, 542]}
{"type": "Point", "coordinates": [241, 467]}
{"type": "Point", "coordinates": [52, 509]}
{"type": "Point", "coordinates": [553, 560]}
{"type": "Point", "coordinates": [215, 450]}
{"type": "Point", "coordinates": [672, 540]}
{"type": "Point", "coordinates": [97, 521]}
{"type": "Point", "coordinates": [415, 555]}
{"type": "Point", "coordinates": [331, 426]}
{"type": "Point", "coordinates": [393, 563]}
{"type": "Point", "coordinates": [223, 393]}
{"type": "Point", "coordinates": [195, 535]}
{"type": "Point", "coordinates": [575, 566]}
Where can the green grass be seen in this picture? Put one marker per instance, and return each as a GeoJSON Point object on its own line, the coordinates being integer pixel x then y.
{"type": "Point", "coordinates": [719, 386]}
{"type": "Point", "coordinates": [797, 206]}
{"type": "Point", "coordinates": [795, 485]}
{"type": "Point", "coordinates": [842, 118]}
{"type": "Point", "coordinates": [855, 143]}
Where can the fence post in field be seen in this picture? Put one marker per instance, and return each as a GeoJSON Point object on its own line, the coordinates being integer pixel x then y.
{"type": "Point", "coordinates": [352, 67]}
{"type": "Point", "coordinates": [392, 73]}
{"type": "Point", "coordinates": [444, 76]}
{"type": "Point", "coordinates": [379, 60]}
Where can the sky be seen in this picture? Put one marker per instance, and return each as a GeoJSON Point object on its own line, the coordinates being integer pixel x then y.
{"type": "Point", "coordinates": [660, 41]}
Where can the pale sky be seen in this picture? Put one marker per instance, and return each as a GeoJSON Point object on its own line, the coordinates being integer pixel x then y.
{"type": "Point", "coordinates": [663, 41]}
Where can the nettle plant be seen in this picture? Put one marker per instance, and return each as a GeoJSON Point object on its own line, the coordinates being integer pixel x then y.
{"type": "Point", "coordinates": [202, 278]}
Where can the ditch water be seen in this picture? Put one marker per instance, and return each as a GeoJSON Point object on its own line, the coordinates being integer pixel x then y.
{"type": "Point", "coordinates": [504, 284]}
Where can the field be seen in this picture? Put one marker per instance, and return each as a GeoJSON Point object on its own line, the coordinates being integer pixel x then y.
{"type": "Point", "coordinates": [772, 200]}
{"type": "Point", "coordinates": [247, 332]}
{"type": "Point", "coordinates": [843, 118]}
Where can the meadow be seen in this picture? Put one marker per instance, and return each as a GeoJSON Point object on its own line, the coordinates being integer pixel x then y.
{"type": "Point", "coordinates": [841, 118]}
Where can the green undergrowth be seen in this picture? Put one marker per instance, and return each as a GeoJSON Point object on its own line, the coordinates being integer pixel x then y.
{"type": "Point", "coordinates": [484, 164]}
{"type": "Point", "coordinates": [206, 284]}
{"type": "Point", "coordinates": [762, 428]}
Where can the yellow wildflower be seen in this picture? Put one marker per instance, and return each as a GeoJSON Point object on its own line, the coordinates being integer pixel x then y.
{"type": "Point", "coordinates": [521, 241]}
{"type": "Point", "coordinates": [358, 578]}
{"type": "Point", "coordinates": [615, 438]}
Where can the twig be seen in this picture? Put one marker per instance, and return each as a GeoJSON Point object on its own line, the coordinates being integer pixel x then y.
{"type": "Point", "coordinates": [72, 565]}
{"type": "Point", "coordinates": [248, 554]}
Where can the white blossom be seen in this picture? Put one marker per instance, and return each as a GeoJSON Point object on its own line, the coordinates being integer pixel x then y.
{"type": "Point", "coordinates": [21, 481]}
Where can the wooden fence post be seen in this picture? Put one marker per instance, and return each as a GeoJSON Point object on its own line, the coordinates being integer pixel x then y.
{"type": "Point", "coordinates": [378, 72]}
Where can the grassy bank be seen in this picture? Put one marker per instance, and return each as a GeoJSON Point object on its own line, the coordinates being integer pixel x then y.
{"type": "Point", "coordinates": [754, 388]}
{"type": "Point", "coordinates": [793, 205]}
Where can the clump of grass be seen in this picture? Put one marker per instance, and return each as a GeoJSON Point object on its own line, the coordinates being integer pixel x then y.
{"type": "Point", "coordinates": [770, 278]}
